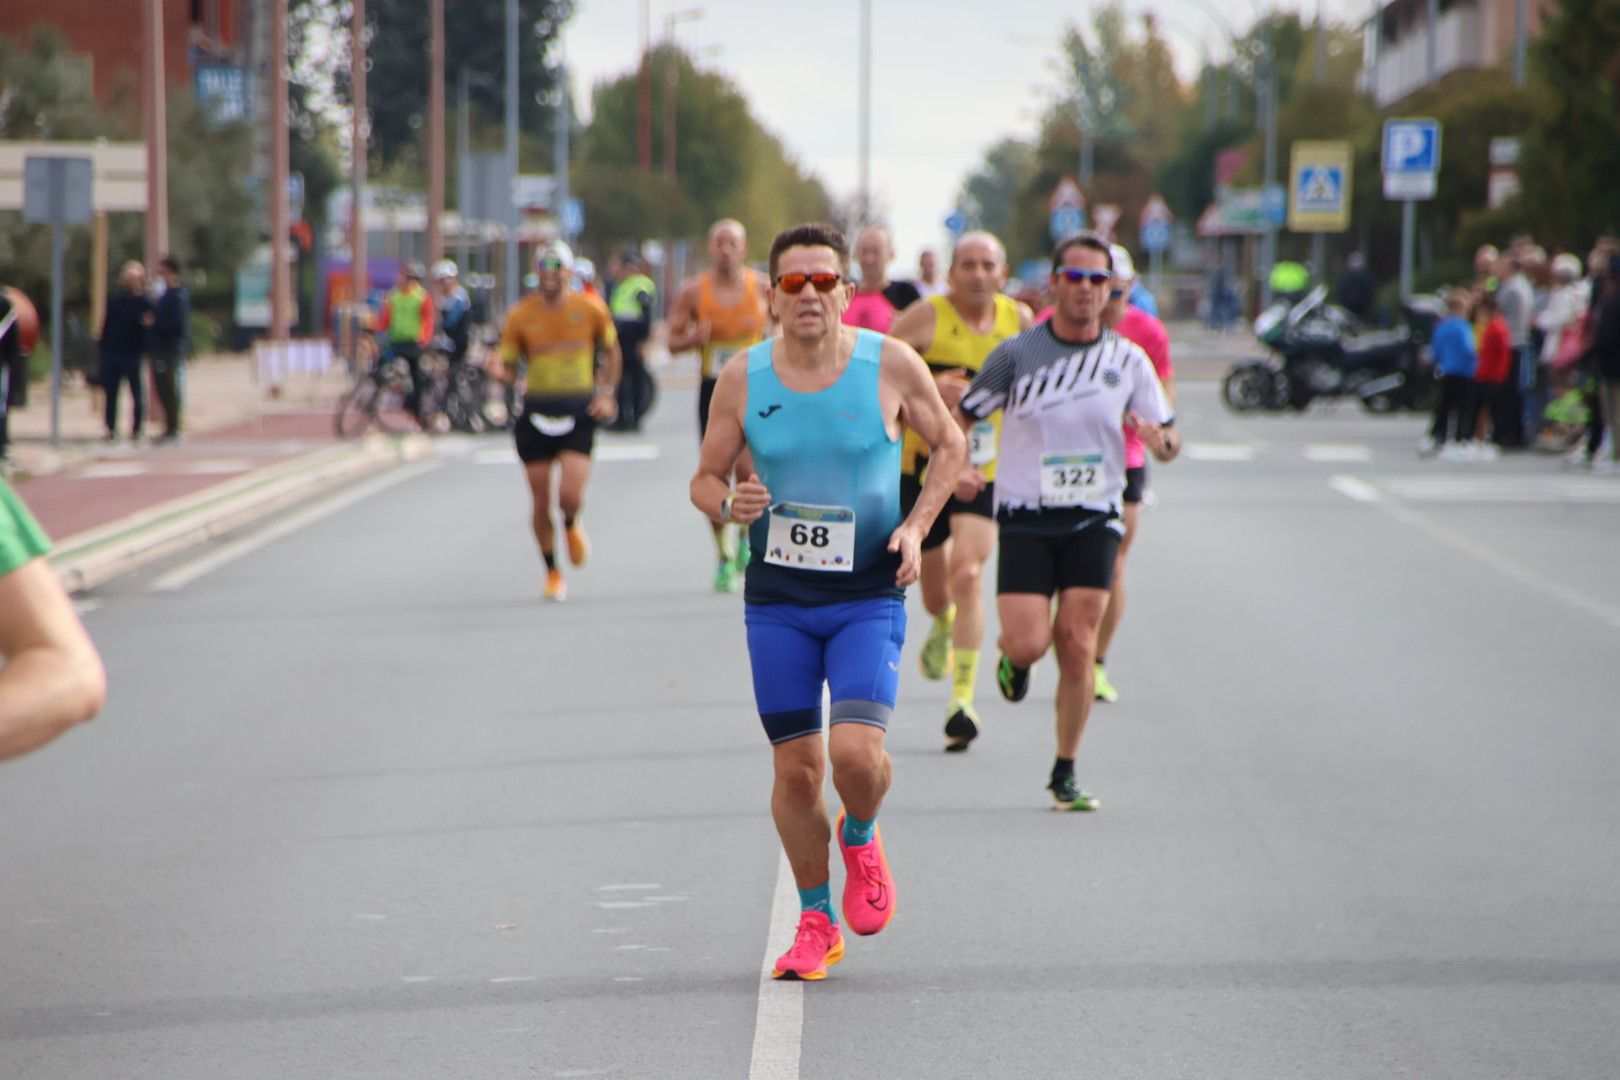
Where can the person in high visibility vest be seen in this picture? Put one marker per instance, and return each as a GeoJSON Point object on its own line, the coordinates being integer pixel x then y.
{"type": "Point", "coordinates": [407, 324]}
{"type": "Point", "coordinates": [631, 303]}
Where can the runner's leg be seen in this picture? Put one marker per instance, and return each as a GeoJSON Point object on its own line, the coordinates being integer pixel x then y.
{"type": "Point", "coordinates": [539, 476]}
{"type": "Point", "coordinates": [1116, 598]}
{"type": "Point", "coordinates": [1080, 613]}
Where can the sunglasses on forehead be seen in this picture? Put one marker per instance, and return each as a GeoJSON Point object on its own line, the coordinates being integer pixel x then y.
{"type": "Point", "coordinates": [793, 284]}
{"type": "Point", "coordinates": [1074, 276]}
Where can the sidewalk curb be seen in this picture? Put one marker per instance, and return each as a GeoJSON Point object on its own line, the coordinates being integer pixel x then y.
{"type": "Point", "coordinates": [91, 558]}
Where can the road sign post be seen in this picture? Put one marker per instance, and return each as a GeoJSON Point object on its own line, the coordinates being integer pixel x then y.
{"type": "Point", "coordinates": [57, 192]}
{"type": "Point", "coordinates": [1154, 227]}
{"type": "Point", "coordinates": [1411, 172]}
{"type": "Point", "coordinates": [1068, 210]}
{"type": "Point", "coordinates": [1319, 176]}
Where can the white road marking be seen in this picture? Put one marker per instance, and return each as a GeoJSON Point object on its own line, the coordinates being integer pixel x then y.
{"type": "Point", "coordinates": [419, 978]}
{"type": "Point", "coordinates": [1208, 451]}
{"type": "Point", "coordinates": [779, 1022]}
{"type": "Point", "coordinates": [1494, 559]}
{"type": "Point", "coordinates": [216, 468]}
{"type": "Point", "coordinates": [1496, 488]}
{"type": "Point", "coordinates": [113, 470]}
{"type": "Point", "coordinates": [1353, 487]}
{"type": "Point", "coordinates": [627, 888]}
{"type": "Point", "coordinates": [1337, 452]}
{"type": "Point", "coordinates": [623, 905]}
{"type": "Point", "coordinates": [367, 916]}
{"type": "Point", "coordinates": [182, 576]}
{"type": "Point", "coordinates": [628, 978]}
{"type": "Point", "coordinates": [611, 930]}
{"type": "Point", "coordinates": [515, 979]}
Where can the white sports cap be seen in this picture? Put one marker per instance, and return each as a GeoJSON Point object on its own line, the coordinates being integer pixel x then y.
{"type": "Point", "coordinates": [1124, 265]}
{"type": "Point", "coordinates": [444, 268]}
{"type": "Point", "coordinates": [555, 249]}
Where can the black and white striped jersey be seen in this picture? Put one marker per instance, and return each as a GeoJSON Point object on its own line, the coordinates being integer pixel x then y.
{"type": "Point", "coordinates": [1063, 404]}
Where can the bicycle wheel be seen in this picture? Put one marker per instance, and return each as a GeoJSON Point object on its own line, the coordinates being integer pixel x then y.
{"type": "Point", "coordinates": [388, 404]}
{"type": "Point", "coordinates": [357, 409]}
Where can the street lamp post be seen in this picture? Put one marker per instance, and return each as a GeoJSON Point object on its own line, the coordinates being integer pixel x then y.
{"type": "Point", "coordinates": [865, 149]}
{"type": "Point", "coordinates": [435, 132]}
{"type": "Point", "coordinates": [511, 272]}
{"type": "Point", "coordinates": [359, 142]}
{"type": "Point", "coordinates": [672, 83]}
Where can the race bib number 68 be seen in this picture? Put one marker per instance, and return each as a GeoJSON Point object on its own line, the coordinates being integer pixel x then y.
{"type": "Point", "coordinates": [808, 537]}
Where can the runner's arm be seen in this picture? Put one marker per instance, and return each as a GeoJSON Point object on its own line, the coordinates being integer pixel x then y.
{"type": "Point", "coordinates": [1026, 316]}
{"type": "Point", "coordinates": [915, 326]}
{"type": "Point", "coordinates": [1149, 413]}
{"type": "Point", "coordinates": [685, 332]}
{"type": "Point", "coordinates": [52, 678]}
{"type": "Point", "coordinates": [923, 411]}
{"type": "Point", "coordinates": [723, 443]}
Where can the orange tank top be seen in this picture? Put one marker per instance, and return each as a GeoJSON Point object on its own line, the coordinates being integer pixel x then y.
{"type": "Point", "coordinates": [732, 327]}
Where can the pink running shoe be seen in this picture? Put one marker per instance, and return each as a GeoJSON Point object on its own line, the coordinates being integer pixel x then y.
{"type": "Point", "coordinates": [868, 885]}
{"type": "Point", "coordinates": [817, 946]}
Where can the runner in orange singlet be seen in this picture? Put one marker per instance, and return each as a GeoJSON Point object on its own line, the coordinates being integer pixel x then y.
{"type": "Point", "coordinates": [720, 313]}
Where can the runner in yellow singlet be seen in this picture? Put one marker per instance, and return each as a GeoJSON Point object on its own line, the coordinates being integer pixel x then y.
{"type": "Point", "coordinates": [955, 332]}
{"type": "Point", "coordinates": [720, 313]}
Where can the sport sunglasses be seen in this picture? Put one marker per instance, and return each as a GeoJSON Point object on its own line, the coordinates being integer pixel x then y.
{"type": "Point", "coordinates": [1074, 276]}
{"type": "Point", "coordinates": [793, 284]}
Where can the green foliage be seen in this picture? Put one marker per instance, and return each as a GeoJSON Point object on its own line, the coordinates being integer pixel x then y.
{"type": "Point", "coordinates": [210, 225]}
{"type": "Point", "coordinates": [1572, 155]}
{"type": "Point", "coordinates": [726, 164]}
{"type": "Point", "coordinates": [475, 41]}
{"type": "Point", "coordinates": [989, 193]}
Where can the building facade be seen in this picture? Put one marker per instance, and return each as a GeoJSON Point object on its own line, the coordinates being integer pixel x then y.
{"type": "Point", "coordinates": [1468, 34]}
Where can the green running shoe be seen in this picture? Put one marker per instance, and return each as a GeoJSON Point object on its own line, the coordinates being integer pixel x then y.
{"type": "Point", "coordinates": [725, 578]}
{"type": "Point", "coordinates": [1068, 795]}
{"type": "Point", "coordinates": [1104, 690]}
{"type": "Point", "coordinates": [935, 657]}
{"type": "Point", "coordinates": [740, 563]}
{"type": "Point", "coordinates": [961, 727]}
{"type": "Point", "coordinates": [1013, 681]}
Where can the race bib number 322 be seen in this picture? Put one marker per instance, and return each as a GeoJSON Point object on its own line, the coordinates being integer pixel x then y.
{"type": "Point", "coordinates": [1072, 478]}
{"type": "Point", "coordinates": [809, 537]}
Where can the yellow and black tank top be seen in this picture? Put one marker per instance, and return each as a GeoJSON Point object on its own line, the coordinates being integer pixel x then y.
{"type": "Point", "coordinates": [958, 346]}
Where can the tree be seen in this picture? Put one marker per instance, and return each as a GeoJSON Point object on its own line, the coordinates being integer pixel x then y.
{"type": "Point", "coordinates": [1572, 154]}
{"type": "Point", "coordinates": [726, 164]}
{"type": "Point", "coordinates": [475, 41]}
{"type": "Point", "coordinates": [988, 194]}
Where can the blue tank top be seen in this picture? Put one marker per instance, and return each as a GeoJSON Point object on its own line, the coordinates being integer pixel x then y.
{"type": "Point", "coordinates": [824, 457]}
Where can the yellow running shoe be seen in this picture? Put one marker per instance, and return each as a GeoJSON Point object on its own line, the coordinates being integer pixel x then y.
{"type": "Point", "coordinates": [1104, 690]}
{"type": "Point", "coordinates": [935, 656]}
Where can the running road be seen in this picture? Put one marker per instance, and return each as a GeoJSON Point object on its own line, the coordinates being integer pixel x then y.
{"type": "Point", "coordinates": [360, 806]}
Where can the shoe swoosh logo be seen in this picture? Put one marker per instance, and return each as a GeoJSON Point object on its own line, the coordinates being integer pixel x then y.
{"type": "Point", "coordinates": [766, 412]}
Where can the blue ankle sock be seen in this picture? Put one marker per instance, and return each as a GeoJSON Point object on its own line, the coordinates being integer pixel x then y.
{"type": "Point", "coordinates": [818, 899]}
{"type": "Point", "coordinates": [858, 831]}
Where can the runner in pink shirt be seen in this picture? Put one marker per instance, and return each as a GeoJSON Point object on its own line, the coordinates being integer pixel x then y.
{"type": "Point", "coordinates": [1136, 325]}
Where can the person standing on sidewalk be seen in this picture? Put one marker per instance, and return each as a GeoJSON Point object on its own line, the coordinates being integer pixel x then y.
{"type": "Point", "coordinates": [821, 409]}
{"type": "Point", "coordinates": [1454, 360]}
{"type": "Point", "coordinates": [168, 343]}
{"type": "Point", "coordinates": [1515, 299]}
{"type": "Point", "coordinates": [407, 323]}
{"type": "Point", "coordinates": [631, 303]}
{"type": "Point", "coordinates": [10, 352]}
{"type": "Point", "coordinates": [50, 675]}
{"type": "Point", "coordinates": [123, 341]}
{"type": "Point", "coordinates": [1606, 354]}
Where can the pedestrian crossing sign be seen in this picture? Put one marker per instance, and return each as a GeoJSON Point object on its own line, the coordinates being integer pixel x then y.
{"type": "Point", "coordinates": [1319, 187]}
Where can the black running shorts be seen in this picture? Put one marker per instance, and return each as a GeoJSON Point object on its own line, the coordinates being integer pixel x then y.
{"type": "Point", "coordinates": [1045, 560]}
{"type": "Point", "coordinates": [547, 428]}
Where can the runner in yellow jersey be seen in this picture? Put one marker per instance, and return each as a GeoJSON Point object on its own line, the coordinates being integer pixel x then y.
{"type": "Point", "coordinates": [720, 313]}
{"type": "Point", "coordinates": [563, 335]}
{"type": "Point", "coordinates": [955, 332]}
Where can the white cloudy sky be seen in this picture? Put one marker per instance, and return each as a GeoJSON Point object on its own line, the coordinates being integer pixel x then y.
{"type": "Point", "coordinates": [949, 78]}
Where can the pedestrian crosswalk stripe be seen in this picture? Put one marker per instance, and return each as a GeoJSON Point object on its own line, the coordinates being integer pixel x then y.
{"type": "Point", "coordinates": [1209, 451]}
{"type": "Point", "coordinates": [1521, 489]}
{"type": "Point", "coordinates": [1337, 452]}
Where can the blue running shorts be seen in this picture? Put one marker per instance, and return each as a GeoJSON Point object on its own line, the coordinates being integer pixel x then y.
{"type": "Point", "coordinates": [853, 648]}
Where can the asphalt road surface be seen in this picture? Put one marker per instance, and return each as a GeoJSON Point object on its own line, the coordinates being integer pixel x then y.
{"type": "Point", "coordinates": [361, 806]}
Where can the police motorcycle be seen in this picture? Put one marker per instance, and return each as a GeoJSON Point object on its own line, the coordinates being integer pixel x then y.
{"type": "Point", "coordinates": [1318, 350]}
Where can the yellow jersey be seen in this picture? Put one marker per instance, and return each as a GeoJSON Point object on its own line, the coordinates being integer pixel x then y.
{"type": "Point", "coordinates": [732, 327]}
{"type": "Point", "coordinates": [559, 341]}
{"type": "Point", "coordinates": [957, 346]}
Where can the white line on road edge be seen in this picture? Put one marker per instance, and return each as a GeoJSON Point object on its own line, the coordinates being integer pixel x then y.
{"type": "Point", "coordinates": [1353, 487]}
{"type": "Point", "coordinates": [1211, 451]}
{"type": "Point", "coordinates": [1336, 452]}
{"type": "Point", "coordinates": [1458, 542]}
{"type": "Point", "coordinates": [779, 1024]}
{"type": "Point", "coordinates": [181, 577]}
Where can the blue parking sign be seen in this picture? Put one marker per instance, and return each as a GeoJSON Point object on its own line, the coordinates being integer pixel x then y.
{"type": "Point", "coordinates": [1067, 220]}
{"type": "Point", "coordinates": [1411, 158]}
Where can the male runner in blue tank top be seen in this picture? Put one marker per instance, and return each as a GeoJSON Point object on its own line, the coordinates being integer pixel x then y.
{"type": "Point", "coordinates": [821, 408]}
